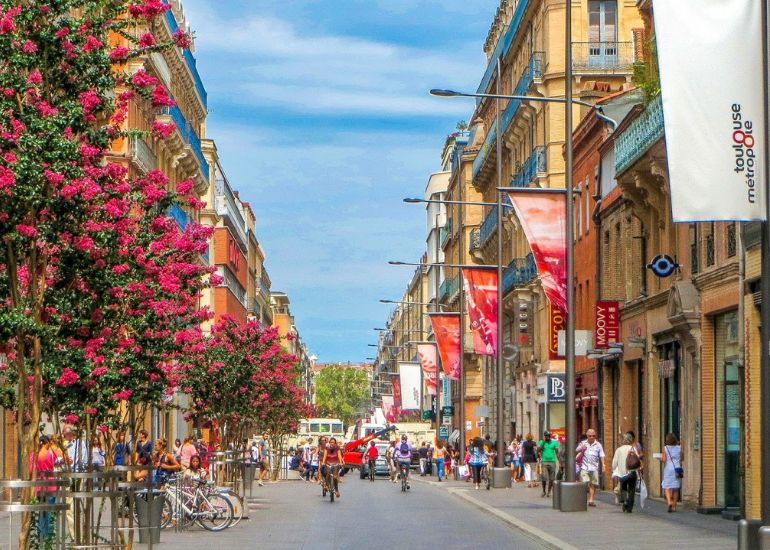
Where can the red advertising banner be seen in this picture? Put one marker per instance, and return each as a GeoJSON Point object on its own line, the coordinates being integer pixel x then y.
{"type": "Point", "coordinates": [481, 294]}
{"type": "Point", "coordinates": [556, 322]}
{"type": "Point", "coordinates": [395, 380]}
{"type": "Point", "coordinates": [446, 327]}
{"type": "Point", "coordinates": [388, 408]}
{"type": "Point", "coordinates": [429, 363]}
{"type": "Point", "coordinates": [607, 327]}
{"type": "Point", "coordinates": [543, 217]}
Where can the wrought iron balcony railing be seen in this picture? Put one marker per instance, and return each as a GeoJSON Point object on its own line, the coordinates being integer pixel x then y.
{"type": "Point", "coordinates": [602, 56]}
{"type": "Point", "coordinates": [635, 140]}
{"type": "Point", "coordinates": [520, 272]}
{"type": "Point", "coordinates": [536, 163]}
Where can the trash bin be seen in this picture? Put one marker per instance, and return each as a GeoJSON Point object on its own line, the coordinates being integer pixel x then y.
{"type": "Point", "coordinates": [249, 472]}
{"type": "Point", "coordinates": [149, 509]}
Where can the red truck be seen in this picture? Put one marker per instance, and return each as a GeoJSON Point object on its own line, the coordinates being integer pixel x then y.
{"type": "Point", "coordinates": [353, 452]}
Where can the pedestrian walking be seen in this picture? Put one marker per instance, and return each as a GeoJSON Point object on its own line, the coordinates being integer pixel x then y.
{"type": "Point", "coordinates": [178, 449]}
{"type": "Point", "coordinates": [529, 459]}
{"type": "Point", "coordinates": [441, 455]}
{"type": "Point", "coordinates": [672, 470]}
{"type": "Point", "coordinates": [45, 464]}
{"type": "Point", "coordinates": [391, 464]}
{"type": "Point", "coordinates": [122, 450]}
{"type": "Point", "coordinates": [513, 451]}
{"type": "Point", "coordinates": [478, 460]}
{"type": "Point", "coordinates": [264, 458]}
{"type": "Point", "coordinates": [548, 450]}
{"type": "Point", "coordinates": [307, 453]}
{"type": "Point", "coordinates": [626, 464]}
{"type": "Point", "coordinates": [143, 448]}
{"type": "Point", "coordinates": [593, 458]}
{"type": "Point", "coordinates": [423, 452]}
{"type": "Point", "coordinates": [429, 459]}
{"type": "Point", "coordinates": [186, 452]}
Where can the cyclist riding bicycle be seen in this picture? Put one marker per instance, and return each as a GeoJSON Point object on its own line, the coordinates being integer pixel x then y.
{"type": "Point", "coordinates": [334, 460]}
{"type": "Point", "coordinates": [402, 456]}
{"type": "Point", "coordinates": [371, 454]}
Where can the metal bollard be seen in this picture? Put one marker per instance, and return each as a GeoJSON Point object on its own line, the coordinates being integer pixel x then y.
{"type": "Point", "coordinates": [748, 534]}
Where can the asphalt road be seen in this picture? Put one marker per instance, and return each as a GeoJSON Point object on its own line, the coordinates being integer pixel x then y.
{"type": "Point", "coordinates": [369, 516]}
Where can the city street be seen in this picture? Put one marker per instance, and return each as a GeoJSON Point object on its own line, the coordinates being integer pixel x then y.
{"type": "Point", "coordinates": [293, 515]}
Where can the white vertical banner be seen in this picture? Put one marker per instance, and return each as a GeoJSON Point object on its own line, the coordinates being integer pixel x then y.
{"type": "Point", "coordinates": [710, 58]}
{"type": "Point", "coordinates": [410, 386]}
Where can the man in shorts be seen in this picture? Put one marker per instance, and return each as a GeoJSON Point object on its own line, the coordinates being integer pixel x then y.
{"type": "Point", "coordinates": [264, 458]}
{"type": "Point", "coordinates": [593, 456]}
{"type": "Point", "coordinates": [549, 462]}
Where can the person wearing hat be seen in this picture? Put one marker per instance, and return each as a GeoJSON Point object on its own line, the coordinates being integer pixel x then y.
{"type": "Point", "coordinates": [548, 449]}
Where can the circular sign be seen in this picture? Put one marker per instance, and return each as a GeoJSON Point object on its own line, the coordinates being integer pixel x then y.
{"type": "Point", "coordinates": [663, 265]}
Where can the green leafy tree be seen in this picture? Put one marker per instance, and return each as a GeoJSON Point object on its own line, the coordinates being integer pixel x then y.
{"type": "Point", "coordinates": [341, 390]}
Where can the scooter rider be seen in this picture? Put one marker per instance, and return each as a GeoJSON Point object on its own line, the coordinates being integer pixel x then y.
{"type": "Point", "coordinates": [402, 456]}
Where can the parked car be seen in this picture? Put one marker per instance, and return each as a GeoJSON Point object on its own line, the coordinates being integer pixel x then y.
{"type": "Point", "coordinates": [380, 465]}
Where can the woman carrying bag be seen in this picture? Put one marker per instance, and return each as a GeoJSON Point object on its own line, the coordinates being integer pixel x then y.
{"type": "Point", "coordinates": [625, 465]}
{"type": "Point", "coordinates": [672, 471]}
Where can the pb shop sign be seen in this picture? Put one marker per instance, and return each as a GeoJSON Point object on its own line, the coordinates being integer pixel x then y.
{"type": "Point", "coordinates": [607, 328]}
{"type": "Point", "coordinates": [556, 391]}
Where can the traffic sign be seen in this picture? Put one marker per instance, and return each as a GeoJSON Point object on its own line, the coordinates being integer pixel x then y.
{"type": "Point", "coordinates": [447, 420]}
{"type": "Point", "coordinates": [427, 415]}
{"type": "Point", "coordinates": [447, 410]}
{"type": "Point", "coordinates": [443, 432]}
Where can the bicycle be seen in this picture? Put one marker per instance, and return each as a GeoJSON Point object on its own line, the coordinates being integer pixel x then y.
{"type": "Point", "coordinates": [404, 475]}
{"type": "Point", "coordinates": [485, 478]}
{"type": "Point", "coordinates": [331, 482]}
{"type": "Point", "coordinates": [202, 504]}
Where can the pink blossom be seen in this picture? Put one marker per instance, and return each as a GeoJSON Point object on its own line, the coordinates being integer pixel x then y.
{"type": "Point", "coordinates": [90, 410]}
{"type": "Point", "coordinates": [71, 419]}
{"type": "Point", "coordinates": [102, 428]}
{"type": "Point", "coordinates": [123, 395]}
{"type": "Point", "coordinates": [184, 186]}
{"type": "Point", "coordinates": [99, 371]}
{"type": "Point", "coordinates": [160, 97]}
{"type": "Point", "coordinates": [143, 80]}
{"type": "Point", "coordinates": [26, 230]}
{"type": "Point", "coordinates": [89, 101]}
{"type": "Point", "coordinates": [182, 39]}
{"type": "Point", "coordinates": [120, 269]}
{"type": "Point", "coordinates": [29, 47]}
{"type": "Point", "coordinates": [53, 178]}
{"type": "Point", "coordinates": [149, 9]}
{"type": "Point", "coordinates": [119, 54]}
{"type": "Point", "coordinates": [68, 377]}
{"type": "Point", "coordinates": [35, 77]}
{"type": "Point", "coordinates": [7, 178]}
{"type": "Point", "coordinates": [92, 43]}
{"type": "Point", "coordinates": [61, 33]}
{"type": "Point", "coordinates": [147, 40]}
{"type": "Point", "coordinates": [162, 130]}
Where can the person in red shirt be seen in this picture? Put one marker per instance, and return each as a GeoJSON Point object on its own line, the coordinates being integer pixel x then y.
{"type": "Point", "coordinates": [371, 454]}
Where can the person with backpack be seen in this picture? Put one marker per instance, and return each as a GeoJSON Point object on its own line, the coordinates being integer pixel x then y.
{"type": "Point", "coordinates": [402, 457]}
{"type": "Point", "coordinates": [625, 466]}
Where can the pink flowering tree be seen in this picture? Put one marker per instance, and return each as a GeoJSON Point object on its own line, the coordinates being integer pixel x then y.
{"type": "Point", "coordinates": [239, 378]}
{"type": "Point", "coordinates": [96, 282]}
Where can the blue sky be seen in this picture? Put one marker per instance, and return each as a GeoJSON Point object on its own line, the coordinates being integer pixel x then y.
{"type": "Point", "coordinates": [322, 119]}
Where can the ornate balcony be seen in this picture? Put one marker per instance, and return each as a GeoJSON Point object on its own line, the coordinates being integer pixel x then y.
{"type": "Point", "coordinates": [189, 59]}
{"type": "Point", "coordinates": [445, 232]}
{"type": "Point", "coordinates": [533, 70]}
{"type": "Point", "coordinates": [449, 289]}
{"type": "Point", "coordinates": [602, 56]}
{"type": "Point", "coordinates": [233, 285]}
{"type": "Point", "coordinates": [475, 240]}
{"type": "Point", "coordinates": [534, 165]}
{"type": "Point", "coordinates": [519, 272]}
{"type": "Point", "coordinates": [635, 140]}
{"type": "Point", "coordinates": [189, 137]}
{"type": "Point", "coordinates": [142, 156]}
{"type": "Point", "coordinates": [489, 225]}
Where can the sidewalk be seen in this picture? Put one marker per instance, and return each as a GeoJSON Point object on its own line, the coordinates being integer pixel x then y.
{"type": "Point", "coordinates": [605, 526]}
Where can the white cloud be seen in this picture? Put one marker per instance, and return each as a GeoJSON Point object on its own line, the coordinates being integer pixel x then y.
{"type": "Point", "coordinates": [268, 61]}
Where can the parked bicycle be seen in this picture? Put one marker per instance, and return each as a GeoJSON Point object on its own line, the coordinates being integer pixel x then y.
{"type": "Point", "coordinates": [193, 500]}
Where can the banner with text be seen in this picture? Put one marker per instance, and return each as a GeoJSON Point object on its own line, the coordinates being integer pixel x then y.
{"type": "Point", "coordinates": [429, 363]}
{"type": "Point", "coordinates": [481, 294]}
{"type": "Point", "coordinates": [543, 217]}
{"type": "Point", "coordinates": [607, 327]}
{"type": "Point", "coordinates": [714, 132]}
{"type": "Point", "coordinates": [411, 392]}
{"type": "Point", "coordinates": [446, 328]}
{"type": "Point", "coordinates": [556, 322]}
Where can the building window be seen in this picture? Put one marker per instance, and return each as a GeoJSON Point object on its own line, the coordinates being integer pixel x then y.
{"type": "Point", "coordinates": [710, 255]}
{"type": "Point", "coordinates": [732, 242]}
{"type": "Point", "coordinates": [694, 249]}
{"type": "Point", "coordinates": [588, 206]}
{"type": "Point", "coordinates": [602, 21]}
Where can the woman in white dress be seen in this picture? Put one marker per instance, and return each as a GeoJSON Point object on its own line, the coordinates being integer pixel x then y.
{"type": "Point", "coordinates": [672, 470]}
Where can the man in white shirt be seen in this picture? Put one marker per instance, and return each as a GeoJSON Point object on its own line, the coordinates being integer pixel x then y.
{"type": "Point", "coordinates": [593, 456]}
{"type": "Point", "coordinates": [77, 450]}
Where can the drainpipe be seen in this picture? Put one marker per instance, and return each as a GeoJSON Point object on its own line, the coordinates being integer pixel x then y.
{"type": "Point", "coordinates": [741, 354]}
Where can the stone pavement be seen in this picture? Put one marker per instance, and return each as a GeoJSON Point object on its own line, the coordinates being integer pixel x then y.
{"type": "Point", "coordinates": [603, 527]}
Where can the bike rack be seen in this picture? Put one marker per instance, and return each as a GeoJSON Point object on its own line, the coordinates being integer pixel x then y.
{"type": "Point", "coordinates": [11, 502]}
{"type": "Point", "coordinates": [128, 489]}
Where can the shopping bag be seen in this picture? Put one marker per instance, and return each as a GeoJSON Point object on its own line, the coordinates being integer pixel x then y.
{"type": "Point", "coordinates": [463, 471]}
{"type": "Point", "coordinates": [642, 492]}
